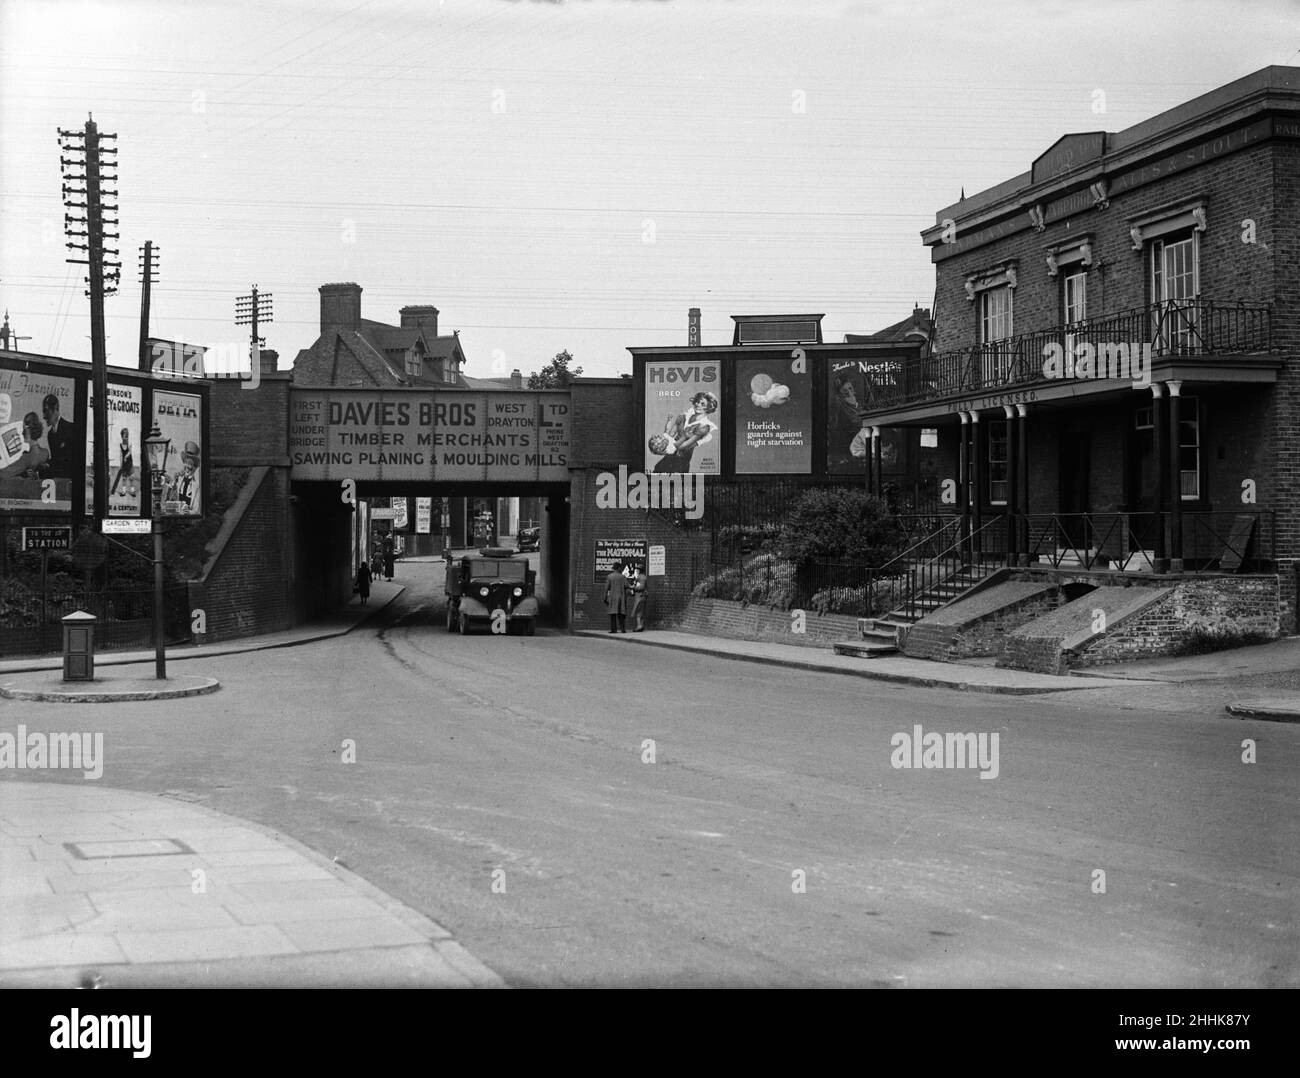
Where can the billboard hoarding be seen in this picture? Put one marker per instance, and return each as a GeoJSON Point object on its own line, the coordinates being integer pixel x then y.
{"type": "Point", "coordinates": [852, 387]}
{"type": "Point", "coordinates": [682, 417]}
{"type": "Point", "coordinates": [125, 476]}
{"type": "Point", "coordinates": [179, 416]}
{"type": "Point", "coordinates": [773, 416]}
{"type": "Point", "coordinates": [417, 436]}
{"type": "Point", "coordinates": [40, 444]}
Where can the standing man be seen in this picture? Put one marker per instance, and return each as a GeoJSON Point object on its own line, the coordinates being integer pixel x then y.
{"type": "Point", "coordinates": [61, 437]}
{"type": "Point", "coordinates": [638, 585]}
{"type": "Point", "coordinates": [390, 555]}
{"type": "Point", "coordinates": [616, 598]}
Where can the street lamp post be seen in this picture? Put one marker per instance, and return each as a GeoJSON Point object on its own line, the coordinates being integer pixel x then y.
{"type": "Point", "coordinates": [156, 449]}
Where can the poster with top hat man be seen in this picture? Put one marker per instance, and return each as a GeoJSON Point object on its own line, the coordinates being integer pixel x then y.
{"type": "Point", "coordinates": [178, 416]}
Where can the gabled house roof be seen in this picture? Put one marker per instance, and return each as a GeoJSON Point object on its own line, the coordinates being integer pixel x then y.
{"type": "Point", "coordinates": [374, 355]}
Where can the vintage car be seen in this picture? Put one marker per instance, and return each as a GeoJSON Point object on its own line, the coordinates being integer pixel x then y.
{"type": "Point", "coordinates": [528, 536]}
{"type": "Point", "coordinates": [491, 581]}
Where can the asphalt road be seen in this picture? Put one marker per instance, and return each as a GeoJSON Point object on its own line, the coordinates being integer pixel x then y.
{"type": "Point", "coordinates": [502, 785]}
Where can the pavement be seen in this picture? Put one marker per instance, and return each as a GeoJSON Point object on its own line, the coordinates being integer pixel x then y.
{"type": "Point", "coordinates": [108, 888]}
{"type": "Point", "coordinates": [112, 887]}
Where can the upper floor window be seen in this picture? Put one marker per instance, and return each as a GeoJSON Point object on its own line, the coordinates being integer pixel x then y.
{"type": "Point", "coordinates": [995, 308]}
{"type": "Point", "coordinates": [1175, 285]}
{"type": "Point", "coordinates": [1074, 298]}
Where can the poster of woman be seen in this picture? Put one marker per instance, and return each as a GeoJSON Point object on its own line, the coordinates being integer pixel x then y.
{"type": "Point", "coordinates": [682, 412]}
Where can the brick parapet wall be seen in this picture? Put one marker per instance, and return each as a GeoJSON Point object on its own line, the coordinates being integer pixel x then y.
{"type": "Point", "coordinates": [721, 617]}
{"type": "Point", "coordinates": [1216, 605]}
{"type": "Point", "coordinates": [983, 637]}
{"type": "Point", "coordinates": [247, 589]}
{"type": "Point", "coordinates": [1213, 604]}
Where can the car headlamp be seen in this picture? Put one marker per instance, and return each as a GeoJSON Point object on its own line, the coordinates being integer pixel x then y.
{"type": "Point", "coordinates": [518, 592]}
{"type": "Point", "coordinates": [483, 592]}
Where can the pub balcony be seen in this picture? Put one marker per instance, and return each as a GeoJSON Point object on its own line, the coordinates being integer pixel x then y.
{"type": "Point", "coordinates": [1173, 328]}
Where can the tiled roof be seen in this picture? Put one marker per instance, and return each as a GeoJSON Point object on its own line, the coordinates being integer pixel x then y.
{"type": "Point", "coordinates": [372, 355]}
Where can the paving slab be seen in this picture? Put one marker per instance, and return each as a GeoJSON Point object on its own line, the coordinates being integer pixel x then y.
{"type": "Point", "coordinates": [230, 904]}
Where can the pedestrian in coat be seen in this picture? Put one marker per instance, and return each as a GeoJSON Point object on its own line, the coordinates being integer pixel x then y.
{"type": "Point", "coordinates": [616, 599]}
{"type": "Point", "coordinates": [363, 582]}
{"type": "Point", "coordinates": [390, 555]}
{"type": "Point", "coordinates": [637, 585]}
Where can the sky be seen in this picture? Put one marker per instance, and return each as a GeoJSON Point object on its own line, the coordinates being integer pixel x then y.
{"type": "Point", "coordinates": [557, 174]}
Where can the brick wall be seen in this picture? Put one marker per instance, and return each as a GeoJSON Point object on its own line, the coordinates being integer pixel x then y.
{"type": "Point", "coordinates": [685, 550]}
{"type": "Point", "coordinates": [246, 587]}
{"type": "Point", "coordinates": [1214, 604]}
{"type": "Point", "coordinates": [250, 426]}
{"type": "Point", "coordinates": [718, 617]}
{"type": "Point", "coordinates": [982, 637]}
{"type": "Point", "coordinates": [1236, 188]}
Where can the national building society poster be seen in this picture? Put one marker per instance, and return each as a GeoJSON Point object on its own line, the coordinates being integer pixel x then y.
{"type": "Point", "coordinates": [682, 417]}
{"type": "Point", "coordinates": [40, 443]}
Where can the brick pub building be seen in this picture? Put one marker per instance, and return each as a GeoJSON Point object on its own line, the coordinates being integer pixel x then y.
{"type": "Point", "coordinates": [1179, 240]}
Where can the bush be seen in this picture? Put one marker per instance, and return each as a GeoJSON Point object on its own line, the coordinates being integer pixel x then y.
{"type": "Point", "coordinates": [829, 524]}
{"type": "Point", "coordinates": [764, 580]}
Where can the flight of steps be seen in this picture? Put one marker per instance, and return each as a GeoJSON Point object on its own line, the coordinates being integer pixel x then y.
{"type": "Point", "coordinates": [879, 636]}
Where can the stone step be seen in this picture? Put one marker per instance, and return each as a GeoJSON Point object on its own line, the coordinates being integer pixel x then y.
{"type": "Point", "coordinates": [864, 649]}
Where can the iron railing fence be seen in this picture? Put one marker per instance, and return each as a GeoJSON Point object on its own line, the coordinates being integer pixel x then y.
{"type": "Point", "coordinates": [30, 624]}
{"type": "Point", "coordinates": [1193, 327]}
{"type": "Point", "coordinates": [1212, 539]}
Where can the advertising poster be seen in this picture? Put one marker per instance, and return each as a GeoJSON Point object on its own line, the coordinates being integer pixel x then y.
{"type": "Point", "coordinates": [854, 387]}
{"type": "Point", "coordinates": [399, 512]}
{"type": "Point", "coordinates": [610, 552]}
{"type": "Point", "coordinates": [125, 407]}
{"type": "Point", "coordinates": [423, 515]}
{"type": "Point", "coordinates": [683, 416]}
{"type": "Point", "coordinates": [180, 417]}
{"type": "Point", "coordinates": [773, 417]}
{"type": "Point", "coordinates": [426, 436]}
{"type": "Point", "coordinates": [40, 445]}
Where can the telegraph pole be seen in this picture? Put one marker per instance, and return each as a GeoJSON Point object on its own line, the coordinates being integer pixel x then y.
{"type": "Point", "coordinates": [249, 311]}
{"type": "Point", "coordinates": [104, 274]}
{"type": "Point", "coordinates": [148, 277]}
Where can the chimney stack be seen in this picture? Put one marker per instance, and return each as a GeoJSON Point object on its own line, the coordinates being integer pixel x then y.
{"type": "Point", "coordinates": [340, 306]}
{"type": "Point", "coordinates": [693, 327]}
{"type": "Point", "coordinates": [421, 314]}
{"type": "Point", "coordinates": [516, 379]}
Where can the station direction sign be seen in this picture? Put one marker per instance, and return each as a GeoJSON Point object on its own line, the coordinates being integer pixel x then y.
{"type": "Point", "coordinates": [55, 538]}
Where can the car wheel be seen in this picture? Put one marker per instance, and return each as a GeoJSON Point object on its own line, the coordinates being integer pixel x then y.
{"type": "Point", "coordinates": [464, 625]}
{"type": "Point", "coordinates": [451, 618]}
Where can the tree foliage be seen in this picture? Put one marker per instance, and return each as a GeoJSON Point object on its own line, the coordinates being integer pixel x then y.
{"type": "Point", "coordinates": [556, 374]}
{"type": "Point", "coordinates": [829, 524]}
